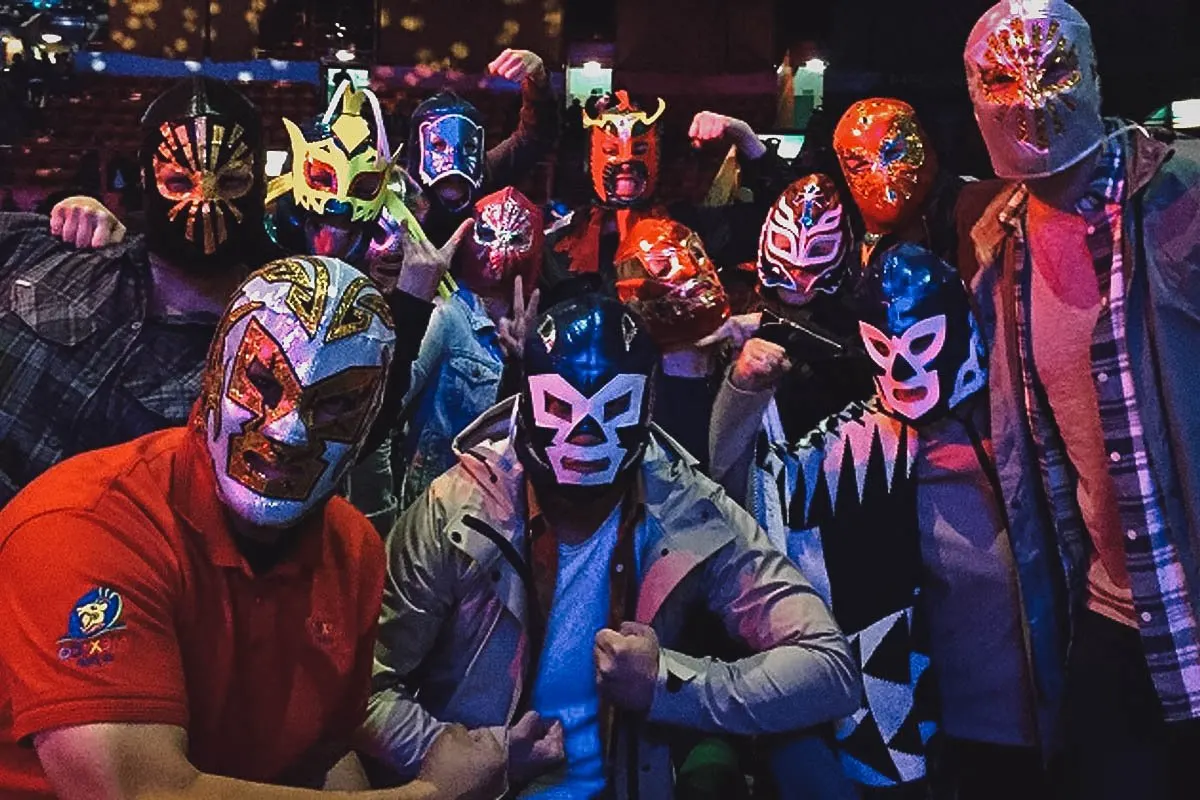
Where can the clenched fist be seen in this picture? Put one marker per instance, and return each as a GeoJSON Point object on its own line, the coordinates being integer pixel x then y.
{"type": "Point", "coordinates": [759, 366]}
{"type": "Point", "coordinates": [709, 126]}
{"type": "Point", "coordinates": [516, 65]}
{"type": "Point", "coordinates": [85, 222]}
{"type": "Point", "coordinates": [627, 665]}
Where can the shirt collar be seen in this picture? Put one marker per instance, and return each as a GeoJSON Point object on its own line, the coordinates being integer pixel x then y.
{"type": "Point", "coordinates": [194, 498]}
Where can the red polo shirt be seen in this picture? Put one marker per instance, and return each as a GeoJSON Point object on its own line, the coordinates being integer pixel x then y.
{"type": "Point", "coordinates": [124, 599]}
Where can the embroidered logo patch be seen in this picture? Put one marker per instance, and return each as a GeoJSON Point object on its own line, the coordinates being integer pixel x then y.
{"type": "Point", "coordinates": [94, 629]}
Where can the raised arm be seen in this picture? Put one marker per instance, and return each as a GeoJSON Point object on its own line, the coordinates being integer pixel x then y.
{"type": "Point", "coordinates": [537, 132]}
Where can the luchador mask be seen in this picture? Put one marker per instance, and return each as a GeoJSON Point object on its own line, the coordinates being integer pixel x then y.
{"type": "Point", "coordinates": [202, 167]}
{"type": "Point", "coordinates": [665, 276]}
{"type": "Point", "coordinates": [623, 159]}
{"type": "Point", "coordinates": [294, 380]}
{"type": "Point", "coordinates": [804, 240]}
{"type": "Point", "coordinates": [585, 410]}
{"type": "Point", "coordinates": [505, 242]}
{"type": "Point", "coordinates": [887, 160]}
{"type": "Point", "coordinates": [445, 149]}
{"type": "Point", "coordinates": [918, 329]}
{"type": "Point", "coordinates": [340, 169]}
{"type": "Point", "coordinates": [1031, 71]}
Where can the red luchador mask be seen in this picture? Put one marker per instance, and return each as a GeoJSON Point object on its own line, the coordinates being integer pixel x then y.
{"type": "Point", "coordinates": [623, 158]}
{"type": "Point", "coordinates": [665, 276]}
{"type": "Point", "coordinates": [888, 162]}
{"type": "Point", "coordinates": [506, 242]}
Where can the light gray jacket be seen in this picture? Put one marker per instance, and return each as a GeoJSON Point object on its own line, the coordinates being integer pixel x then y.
{"type": "Point", "coordinates": [453, 641]}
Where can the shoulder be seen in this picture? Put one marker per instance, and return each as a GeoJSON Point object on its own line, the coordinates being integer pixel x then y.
{"type": "Point", "coordinates": [105, 501]}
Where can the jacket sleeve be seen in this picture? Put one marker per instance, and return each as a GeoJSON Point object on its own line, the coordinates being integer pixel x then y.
{"type": "Point", "coordinates": [418, 596]}
{"type": "Point", "coordinates": [801, 673]}
{"type": "Point", "coordinates": [736, 420]}
{"type": "Point", "coordinates": [433, 350]}
{"type": "Point", "coordinates": [766, 176]}
{"type": "Point", "coordinates": [535, 136]}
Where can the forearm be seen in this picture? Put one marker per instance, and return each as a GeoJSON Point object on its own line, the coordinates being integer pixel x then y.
{"type": "Point", "coordinates": [398, 731]}
{"type": "Point", "coordinates": [783, 689]}
{"type": "Point", "coordinates": [214, 787]}
{"type": "Point", "coordinates": [736, 420]}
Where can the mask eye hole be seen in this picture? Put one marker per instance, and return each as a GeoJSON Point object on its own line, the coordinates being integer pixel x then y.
{"type": "Point", "coordinates": [263, 379]}
{"type": "Point", "coordinates": [331, 409]}
{"type": "Point", "coordinates": [922, 343]}
{"type": "Point", "coordinates": [641, 148]}
{"type": "Point", "coordinates": [610, 149]}
{"type": "Point", "coordinates": [558, 408]}
{"type": "Point", "coordinates": [880, 347]}
{"type": "Point", "coordinates": [178, 182]}
{"type": "Point", "coordinates": [998, 79]}
{"type": "Point", "coordinates": [320, 176]}
{"type": "Point", "coordinates": [234, 184]}
{"type": "Point", "coordinates": [617, 406]}
{"type": "Point", "coordinates": [855, 164]}
{"type": "Point", "coordinates": [366, 185]}
{"type": "Point", "coordinates": [822, 249]}
{"type": "Point", "coordinates": [438, 144]}
{"type": "Point", "coordinates": [484, 234]}
{"type": "Point", "coordinates": [470, 147]}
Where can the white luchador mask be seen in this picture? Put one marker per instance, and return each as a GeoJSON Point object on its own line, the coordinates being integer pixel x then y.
{"type": "Point", "coordinates": [1031, 71]}
{"type": "Point", "coordinates": [294, 380]}
{"type": "Point", "coordinates": [597, 419]}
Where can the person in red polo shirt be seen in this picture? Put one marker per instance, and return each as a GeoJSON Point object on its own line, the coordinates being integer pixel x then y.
{"type": "Point", "coordinates": [193, 613]}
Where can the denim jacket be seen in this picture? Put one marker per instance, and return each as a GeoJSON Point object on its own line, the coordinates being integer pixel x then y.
{"type": "Point", "coordinates": [455, 378]}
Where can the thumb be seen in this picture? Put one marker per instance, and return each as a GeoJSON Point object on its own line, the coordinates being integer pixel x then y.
{"type": "Point", "coordinates": [449, 248]}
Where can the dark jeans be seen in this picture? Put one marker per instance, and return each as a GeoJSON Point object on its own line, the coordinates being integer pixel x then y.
{"type": "Point", "coordinates": [1118, 744]}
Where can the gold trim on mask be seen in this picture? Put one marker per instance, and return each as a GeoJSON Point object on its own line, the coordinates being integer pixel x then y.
{"type": "Point", "coordinates": [355, 310]}
{"type": "Point", "coordinates": [308, 295]}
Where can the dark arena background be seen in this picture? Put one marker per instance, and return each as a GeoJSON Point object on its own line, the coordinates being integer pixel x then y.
{"type": "Point", "coordinates": [78, 73]}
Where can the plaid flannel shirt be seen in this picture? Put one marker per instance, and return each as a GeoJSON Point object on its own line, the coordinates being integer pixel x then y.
{"type": "Point", "coordinates": [83, 365]}
{"type": "Point", "coordinates": [1168, 620]}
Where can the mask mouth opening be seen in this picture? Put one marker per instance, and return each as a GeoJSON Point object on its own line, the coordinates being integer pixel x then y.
{"type": "Point", "coordinates": [453, 190]}
{"type": "Point", "coordinates": [910, 395]}
{"type": "Point", "coordinates": [626, 182]}
{"type": "Point", "coordinates": [334, 236]}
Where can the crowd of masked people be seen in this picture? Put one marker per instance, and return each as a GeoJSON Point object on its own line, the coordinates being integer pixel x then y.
{"type": "Point", "coordinates": [377, 479]}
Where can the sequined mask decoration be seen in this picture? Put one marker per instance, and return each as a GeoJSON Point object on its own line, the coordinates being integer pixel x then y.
{"type": "Point", "coordinates": [665, 276]}
{"type": "Point", "coordinates": [1031, 73]}
{"type": "Point", "coordinates": [293, 382]}
{"type": "Point", "coordinates": [203, 168]}
{"type": "Point", "coordinates": [887, 161]}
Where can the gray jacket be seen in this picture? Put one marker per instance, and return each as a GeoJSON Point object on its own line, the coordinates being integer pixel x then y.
{"type": "Point", "coordinates": [453, 641]}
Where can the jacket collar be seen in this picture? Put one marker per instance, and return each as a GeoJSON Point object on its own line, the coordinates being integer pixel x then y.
{"type": "Point", "coordinates": [476, 314]}
{"type": "Point", "coordinates": [683, 523]}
